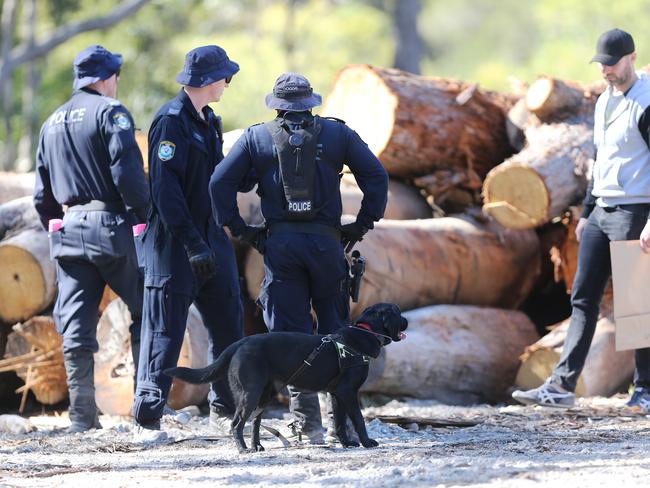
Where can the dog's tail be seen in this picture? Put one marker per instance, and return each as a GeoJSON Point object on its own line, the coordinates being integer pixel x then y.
{"type": "Point", "coordinates": [208, 374]}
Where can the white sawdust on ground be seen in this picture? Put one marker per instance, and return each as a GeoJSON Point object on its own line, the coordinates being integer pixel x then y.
{"type": "Point", "coordinates": [599, 443]}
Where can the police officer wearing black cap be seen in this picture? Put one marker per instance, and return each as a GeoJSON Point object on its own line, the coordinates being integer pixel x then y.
{"type": "Point", "coordinates": [297, 159]}
{"type": "Point", "coordinates": [88, 160]}
{"type": "Point", "coordinates": [188, 258]}
{"type": "Point", "coordinates": [616, 208]}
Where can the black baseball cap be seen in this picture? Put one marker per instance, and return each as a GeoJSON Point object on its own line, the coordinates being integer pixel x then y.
{"type": "Point", "coordinates": [612, 46]}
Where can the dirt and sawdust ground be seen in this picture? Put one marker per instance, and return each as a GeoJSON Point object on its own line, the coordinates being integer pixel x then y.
{"type": "Point", "coordinates": [599, 443]}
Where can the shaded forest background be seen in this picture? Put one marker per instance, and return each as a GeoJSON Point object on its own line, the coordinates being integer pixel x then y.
{"type": "Point", "coordinates": [493, 43]}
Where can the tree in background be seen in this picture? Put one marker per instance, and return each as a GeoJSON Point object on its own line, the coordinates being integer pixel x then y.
{"type": "Point", "coordinates": [17, 53]}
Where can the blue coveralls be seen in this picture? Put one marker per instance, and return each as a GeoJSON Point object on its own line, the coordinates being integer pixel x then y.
{"type": "Point", "coordinates": [302, 269]}
{"type": "Point", "coordinates": [88, 160]}
{"type": "Point", "coordinates": [183, 152]}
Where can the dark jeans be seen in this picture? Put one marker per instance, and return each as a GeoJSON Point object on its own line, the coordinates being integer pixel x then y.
{"type": "Point", "coordinates": [622, 223]}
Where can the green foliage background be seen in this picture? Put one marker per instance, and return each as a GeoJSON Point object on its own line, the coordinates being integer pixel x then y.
{"type": "Point", "coordinates": [475, 40]}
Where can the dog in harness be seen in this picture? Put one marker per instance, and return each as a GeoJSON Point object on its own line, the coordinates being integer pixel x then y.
{"type": "Point", "coordinates": [337, 363]}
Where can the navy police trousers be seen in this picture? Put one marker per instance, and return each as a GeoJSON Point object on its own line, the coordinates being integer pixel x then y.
{"type": "Point", "coordinates": [93, 249]}
{"type": "Point", "coordinates": [164, 321]}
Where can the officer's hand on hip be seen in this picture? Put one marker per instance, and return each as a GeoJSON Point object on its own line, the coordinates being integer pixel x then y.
{"type": "Point", "coordinates": [644, 239]}
{"type": "Point", "coordinates": [351, 234]}
{"type": "Point", "coordinates": [202, 262]}
{"type": "Point", "coordinates": [582, 223]}
{"type": "Point", "coordinates": [254, 235]}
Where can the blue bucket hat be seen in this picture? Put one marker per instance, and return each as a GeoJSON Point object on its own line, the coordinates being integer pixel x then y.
{"type": "Point", "coordinates": [292, 92]}
{"type": "Point", "coordinates": [93, 64]}
{"type": "Point", "coordinates": [205, 65]}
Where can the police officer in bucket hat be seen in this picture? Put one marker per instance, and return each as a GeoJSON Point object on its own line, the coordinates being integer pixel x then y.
{"type": "Point", "coordinates": [298, 159]}
{"type": "Point", "coordinates": [88, 160]}
{"type": "Point", "coordinates": [188, 258]}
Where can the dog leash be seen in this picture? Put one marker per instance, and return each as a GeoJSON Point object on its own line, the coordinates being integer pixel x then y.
{"type": "Point", "coordinates": [307, 362]}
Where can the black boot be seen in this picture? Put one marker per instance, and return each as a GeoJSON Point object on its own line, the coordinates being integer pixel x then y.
{"type": "Point", "coordinates": [79, 367]}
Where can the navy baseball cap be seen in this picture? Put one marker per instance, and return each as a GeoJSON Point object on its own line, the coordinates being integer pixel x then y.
{"type": "Point", "coordinates": [93, 64]}
{"type": "Point", "coordinates": [612, 46]}
{"type": "Point", "coordinates": [205, 65]}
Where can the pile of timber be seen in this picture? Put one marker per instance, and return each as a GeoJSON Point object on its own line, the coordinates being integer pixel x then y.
{"type": "Point", "coordinates": [475, 179]}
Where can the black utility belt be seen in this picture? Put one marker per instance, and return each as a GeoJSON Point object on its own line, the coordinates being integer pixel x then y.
{"type": "Point", "coordinates": [629, 207]}
{"type": "Point", "coordinates": [305, 228]}
{"type": "Point", "coordinates": [98, 206]}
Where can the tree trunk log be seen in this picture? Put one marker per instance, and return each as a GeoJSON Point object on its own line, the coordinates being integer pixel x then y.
{"type": "Point", "coordinates": [114, 364]}
{"type": "Point", "coordinates": [28, 277]}
{"type": "Point", "coordinates": [18, 215]}
{"type": "Point", "coordinates": [35, 352]}
{"type": "Point", "coordinates": [416, 263]}
{"type": "Point", "coordinates": [454, 354]}
{"type": "Point", "coordinates": [552, 100]}
{"type": "Point", "coordinates": [15, 185]}
{"type": "Point", "coordinates": [417, 125]}
{"type": "Point", "coordinates": [606, 370]}
{"type": "Point", "coordinates": [540, 182]}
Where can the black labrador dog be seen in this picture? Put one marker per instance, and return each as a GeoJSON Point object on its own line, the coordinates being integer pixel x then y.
{"type": "Point", "coordinates": [337, 364]}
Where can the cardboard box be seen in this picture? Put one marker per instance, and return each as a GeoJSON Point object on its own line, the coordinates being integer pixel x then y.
{"type": "Point", "coordinates": [631, 277]}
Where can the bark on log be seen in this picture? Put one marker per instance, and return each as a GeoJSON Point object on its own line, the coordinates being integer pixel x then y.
{"type": "Point", "coordinates": [551, 99]}
{"type": "Point", "coordinates": [404, 202]}
{"type": "Point", "coordinates": [28, 277]}
{"type": "Point", "coordinates": [415, 263]}
{"type": "Point", "coordinates": [34, 350]}
{"type": "Point", "coordinates": [17, 215]}
{"type": "Point", "coordinates": [15, 185]}
{"type": "Point", "coordinates": [543, 180]}
{"type": "Point", "coordinates": [454, 354]}
{"type": "Point", "coordinates": [417, 125]}
{"type": "Point", "coordinates": [114, 365]}
{"type": "Point", "coordinates": [606, 370]}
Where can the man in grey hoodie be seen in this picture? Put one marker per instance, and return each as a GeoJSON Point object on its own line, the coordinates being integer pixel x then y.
{"type": "Point", "coordinates": [615, 209]}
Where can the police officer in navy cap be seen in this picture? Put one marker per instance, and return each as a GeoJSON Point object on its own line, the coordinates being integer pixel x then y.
{"type": "Point", "coordinates": [297, 159]}
{"type": "Point", "coordinates": [188, 258]}
{"type": "Point", "coordinates": [88, 161]}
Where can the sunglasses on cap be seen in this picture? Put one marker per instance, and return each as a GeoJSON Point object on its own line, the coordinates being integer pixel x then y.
{"type": "Point", "coordinates": [228, 79]}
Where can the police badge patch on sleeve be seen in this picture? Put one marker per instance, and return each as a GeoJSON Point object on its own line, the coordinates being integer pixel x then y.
{"type": "Point", "coordinates": [166, 150]}
{"type": "Point", "coordinates": [122, 120]}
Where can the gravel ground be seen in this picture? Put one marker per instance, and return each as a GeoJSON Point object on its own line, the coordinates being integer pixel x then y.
{"type": "Point", "coordinates": [598, 443]}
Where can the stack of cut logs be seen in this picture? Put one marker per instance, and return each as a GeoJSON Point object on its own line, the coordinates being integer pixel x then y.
{"type": "Point", "coordinates": [461, 274]}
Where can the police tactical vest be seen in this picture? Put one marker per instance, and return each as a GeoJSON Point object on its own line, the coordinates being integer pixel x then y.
{"type": "Point", "coordinates": [296, 146]}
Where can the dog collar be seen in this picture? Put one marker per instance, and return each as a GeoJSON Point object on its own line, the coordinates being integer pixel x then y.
{"type": "Point", "coordinates": [367, 328]}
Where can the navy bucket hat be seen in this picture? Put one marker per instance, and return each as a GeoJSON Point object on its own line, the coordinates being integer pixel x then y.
{"type": "Point", "coordinates": [93, 64]}
{"type": "Point", "coordinates": [205, 65]}
{"type": "Point", "coordinates": [292, 92]}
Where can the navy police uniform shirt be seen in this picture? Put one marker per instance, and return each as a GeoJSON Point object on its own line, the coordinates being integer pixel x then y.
{"type": "Point", "coordinates": [87, 151]}
{"type": "Point", "coordinates": [183, 152]}
{"type": "Point", "coordinates": [253, 153]}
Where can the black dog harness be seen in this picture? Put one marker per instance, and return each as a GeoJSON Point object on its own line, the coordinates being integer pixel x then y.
{"type": "Point", "coordinates": [348, 358]}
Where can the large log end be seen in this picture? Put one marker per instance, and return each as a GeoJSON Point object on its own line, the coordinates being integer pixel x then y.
{"type": "Point", "coordinates": [27, 281]}
{"type": "Point", "coordinates": [516, 197]}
